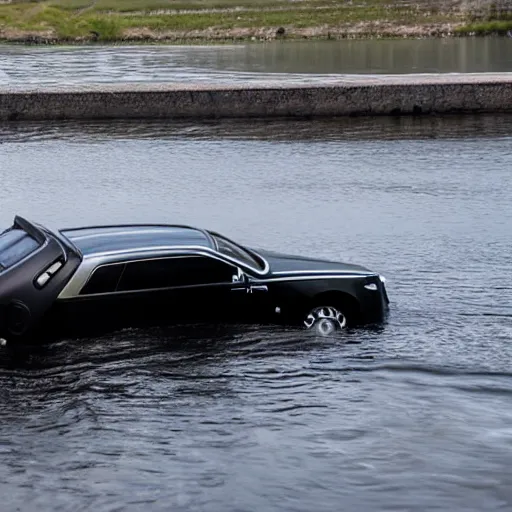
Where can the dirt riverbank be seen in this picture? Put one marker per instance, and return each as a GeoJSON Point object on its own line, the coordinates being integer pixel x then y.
{"type": "Point", "coordinates": [217, 21]}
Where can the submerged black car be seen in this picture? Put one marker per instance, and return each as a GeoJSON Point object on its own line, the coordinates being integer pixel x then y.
{"type": "Point", "coordinates": [89, 280]}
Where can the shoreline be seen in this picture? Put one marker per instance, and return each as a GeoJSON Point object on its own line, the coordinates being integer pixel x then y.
{"type": "Point", "coordinates": [59, 22]}
{"type": "Point", "coordinates": [245, 36]}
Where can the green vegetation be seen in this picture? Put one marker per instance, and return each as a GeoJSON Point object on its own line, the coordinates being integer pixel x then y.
{"type": "Point", "coordinates": [493, 17]}
{"type": "Point", "coordinates": [485, 28]}
{"type": "Point", "coordinates": [208, 20]}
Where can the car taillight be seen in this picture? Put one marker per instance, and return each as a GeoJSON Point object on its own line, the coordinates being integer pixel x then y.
{"type": "Point", "coordinates": [47, 274]}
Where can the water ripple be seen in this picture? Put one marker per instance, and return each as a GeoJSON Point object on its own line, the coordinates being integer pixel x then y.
{"type": "Point", "coordinates": [307, 62]}
{"type": "Point", "coordinates": [413, 415]}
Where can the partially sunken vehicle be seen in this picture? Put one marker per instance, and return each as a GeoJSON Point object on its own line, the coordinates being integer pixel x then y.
{"type": "Point", "coordinates": [89, 280]}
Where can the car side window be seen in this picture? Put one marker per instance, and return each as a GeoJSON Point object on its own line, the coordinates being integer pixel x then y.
{"type": "Point", "coordinates": [158, 273]}
{"type": "Point", "coordinates": [103, 280]}
{"type": "Point", "coordinates": [169, 272]}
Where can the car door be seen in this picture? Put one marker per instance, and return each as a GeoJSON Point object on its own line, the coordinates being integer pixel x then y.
{"type": "Point", "coordinates": [253, 300]}
{"type": "Point", "coordinates": [185, 288]}
{"type": "Point", "coordinates": [188, 288]}
{"type": "Point", "coordinates": [213, 290]}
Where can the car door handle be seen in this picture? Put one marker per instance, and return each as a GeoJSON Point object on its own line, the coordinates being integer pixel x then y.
{"type": "Point", "coordinates": [251, 289]}
{"type": "Point", "coordinates": [258, 288]}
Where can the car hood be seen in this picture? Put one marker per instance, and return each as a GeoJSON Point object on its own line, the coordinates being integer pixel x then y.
{"type": "Point", "coordinates": [282, 264]}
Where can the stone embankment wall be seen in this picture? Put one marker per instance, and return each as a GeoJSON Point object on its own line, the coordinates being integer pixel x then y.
{"type": "Point", "coordinates": [408, 94]}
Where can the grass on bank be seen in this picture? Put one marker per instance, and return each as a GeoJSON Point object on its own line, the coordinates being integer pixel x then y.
{"type": "Point", "coordinates": [485, 28]}
{"type": "Point", "coordinates": [112, 20]}
{"type": "Point", "coordinates": [124, 6]}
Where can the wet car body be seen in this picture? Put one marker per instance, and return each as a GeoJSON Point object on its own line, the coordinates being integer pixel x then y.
{"type": "Point", "coordinates": [89, 280]}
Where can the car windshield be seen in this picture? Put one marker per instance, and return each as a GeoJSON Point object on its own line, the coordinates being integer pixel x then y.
{"type": "Point", "coordinates": [235, 251]}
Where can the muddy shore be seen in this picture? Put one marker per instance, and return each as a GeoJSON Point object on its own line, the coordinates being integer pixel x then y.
{"type": "Point", "coordinates": [373, 30]}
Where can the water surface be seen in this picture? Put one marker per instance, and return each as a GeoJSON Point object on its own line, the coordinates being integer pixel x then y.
{"type": "Point", "coordinates": [307, 61]}
{"type": "Point", "coordinates": [414, 416]}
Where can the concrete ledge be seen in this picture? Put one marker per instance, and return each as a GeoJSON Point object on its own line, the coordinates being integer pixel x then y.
{"type": "Point", "coordinates": [406, 94]}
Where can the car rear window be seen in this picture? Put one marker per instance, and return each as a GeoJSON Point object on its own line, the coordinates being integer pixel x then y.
{"type": "Point", "coordinates": [15, 245]}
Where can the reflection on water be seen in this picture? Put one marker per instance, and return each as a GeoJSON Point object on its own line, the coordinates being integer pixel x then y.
{"type": "Point", "coordinates": [412, 416]}
{"type": "Point", "coordinates": [341, 128]}
{"type": "Point", "coordinates": [307, 61]}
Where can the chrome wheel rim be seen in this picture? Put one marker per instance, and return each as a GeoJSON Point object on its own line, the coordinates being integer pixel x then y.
{"type": "Point", "coordinates": [325, 320]}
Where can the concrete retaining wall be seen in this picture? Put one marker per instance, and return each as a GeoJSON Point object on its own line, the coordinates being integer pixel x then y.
{"type": "Point", "coordinates": [409, 94]}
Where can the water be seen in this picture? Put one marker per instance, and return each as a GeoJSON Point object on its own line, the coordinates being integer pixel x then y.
{"type": "Point", "coordinates": [306, 61]}
{"type": "Point", "coordinates": [415, 416]}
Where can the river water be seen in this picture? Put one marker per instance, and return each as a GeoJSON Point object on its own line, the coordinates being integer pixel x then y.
{"type": "Point", "coordinates": [307, 61]}
{"type": "Point", "coordinates": [414, 416]}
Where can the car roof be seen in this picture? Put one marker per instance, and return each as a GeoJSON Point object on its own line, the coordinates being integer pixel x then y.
{"type": "Point", "coordinates": [133, 238]}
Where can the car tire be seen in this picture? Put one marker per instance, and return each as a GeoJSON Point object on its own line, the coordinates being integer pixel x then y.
{"type": "Point", "coordinates": [17, 318]}
{"type": "Point", "coordinates": [325, 320]}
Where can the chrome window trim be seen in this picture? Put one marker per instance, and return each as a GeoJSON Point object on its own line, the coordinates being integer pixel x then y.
{"type": "Point", "coordinates": [328, 271]}
{"type": "Point", "coordinates": [185, 249]}
{"type": "Point", "coordinates": [311, 277]}
{"type": "Point", "coordinates": [144, 290]}
{"type": "Point", "coordinates": [91, 262]}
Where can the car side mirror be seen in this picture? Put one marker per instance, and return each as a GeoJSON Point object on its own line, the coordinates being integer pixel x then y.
{"type": "Point", "coordinates": [239, 277]}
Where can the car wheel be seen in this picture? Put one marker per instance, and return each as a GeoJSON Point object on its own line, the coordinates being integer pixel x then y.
{"type": "Point", "coordinates": [325, 320]}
